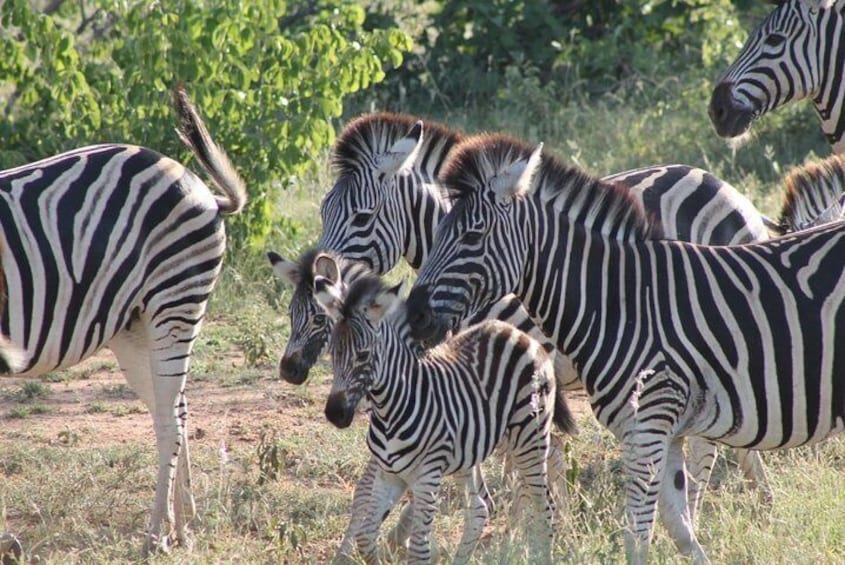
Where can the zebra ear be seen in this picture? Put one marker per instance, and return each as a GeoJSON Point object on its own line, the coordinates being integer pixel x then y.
{"type": "Point", "coordinates": [516, 179]}
{"type": "Point", "coordinates": [385, 301]}
{"type": "Point", "coordinates": [404, 152]}
{"type": "Point", "coordinates": [286, 270]}
{"type": "Point", "coordinates": [328, 295]}
{"type": "Point", "coordinates": [326, 266]}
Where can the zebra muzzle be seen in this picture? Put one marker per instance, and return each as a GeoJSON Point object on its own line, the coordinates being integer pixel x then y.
{"type": "Point", "coordinates": [338, 410]}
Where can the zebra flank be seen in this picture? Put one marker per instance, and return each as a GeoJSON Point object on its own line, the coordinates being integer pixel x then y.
{"type": "Point", "coordinates": [119, 246]}
{"type": "Point", "coordinates": [436, 414]}
{"type": "Point", "coordinates": [797, 52]}
{"type": "Point", "coordinates": [742, 345]}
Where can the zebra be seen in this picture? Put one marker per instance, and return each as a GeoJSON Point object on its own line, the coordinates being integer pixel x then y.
{"type": "Point", "coordinates": [439, 413]}
{"type": "Point", "coordinates": [386, 203]}
{"type": "Point", "coordinates": [742, 345]}
{"type": "Point", "coordinates": [814, 194]}
{"type": "Point", "coordinates": [119, 246]}
{"type": "Point", "coordinates": [797, 52]}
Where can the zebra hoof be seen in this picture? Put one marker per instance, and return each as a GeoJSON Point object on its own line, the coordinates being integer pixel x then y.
{"type": "Point", "coordinates": [11, 549]}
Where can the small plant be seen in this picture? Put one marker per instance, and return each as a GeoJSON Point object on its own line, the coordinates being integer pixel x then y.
{"type": "Point", "coordinates": [30, 390]}
{"type": "Point", "coordinates": [271, 458]}
{"type": "Point", "coordinates": [96, 407]}
{"type": "Point", "coordinates": [19, 413]}
{"type": "Point", "coordinates": [118, 391]}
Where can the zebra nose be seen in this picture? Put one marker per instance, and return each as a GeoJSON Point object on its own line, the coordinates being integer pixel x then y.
{"type": "Point", "coordinates": [338, 411]}
{"type": "Point", "coordinates": [419, 311]}
{"type": "Point", "coordinates": [720, 101]}
{"type": "Point", "coordinates": [292, 369]}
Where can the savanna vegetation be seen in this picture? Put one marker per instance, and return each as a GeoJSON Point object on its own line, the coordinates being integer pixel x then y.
{"type": "Point", "coordinates": [607, 85]}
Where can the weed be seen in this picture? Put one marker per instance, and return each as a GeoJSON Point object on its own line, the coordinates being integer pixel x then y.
{"type": "Point", "coordinates": [30, 390]}
{"type": "Point", "coordinates": [96, 407]}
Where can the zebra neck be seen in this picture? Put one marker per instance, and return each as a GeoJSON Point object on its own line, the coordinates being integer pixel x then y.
{"type": "Point", "coordinates": [396, 373]}
{"type": "Point", "coordinates": [423, 206]}
{"type": "Point", "coordinates": [572, 286]}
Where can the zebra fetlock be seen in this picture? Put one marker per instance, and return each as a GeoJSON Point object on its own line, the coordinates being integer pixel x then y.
{"type": "Point", "coordinates": [486, 385]}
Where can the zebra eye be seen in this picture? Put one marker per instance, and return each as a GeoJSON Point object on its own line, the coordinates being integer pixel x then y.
{"type": "Point", "coordinates": [362, 356]}
{"type": "Point", "coordinates": [361, 219]}
{"type": "Point", "coordinates": [472, 237]}
{"type": "Point", "coordinates": [774, 40]}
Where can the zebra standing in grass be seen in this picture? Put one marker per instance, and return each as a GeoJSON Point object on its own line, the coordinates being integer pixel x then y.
{"type": "Point", "coordinates": [118, 246]}
{"type": "Point", "coordinates": [813, 194]}
{"type": "Point", "coordinates": [386, 204]}
{"type": "Point", "coordinates": [440, 413]}
{"type": "Point", "coordinates": [797, 52]}
{"type": "Point", "coordinates": [742, 345]}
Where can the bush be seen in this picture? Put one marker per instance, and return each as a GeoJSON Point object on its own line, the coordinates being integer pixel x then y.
{"type": "Point", "coordinates": [268, 80]}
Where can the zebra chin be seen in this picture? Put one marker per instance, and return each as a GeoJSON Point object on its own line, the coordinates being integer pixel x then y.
{"type": "Point", "coordinates": [339, 410]}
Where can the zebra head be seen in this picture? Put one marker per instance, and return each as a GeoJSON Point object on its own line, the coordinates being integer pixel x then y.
{"type": "Point", "coordinates": [358, 313]}
{"type": "Point", "coordinates": [786, 58]}
{"type": "Point", "coordinates": [489, 177]}
{"type": "Point", "coordinates": [375, 157]}
{"type": "Point", "coordinates": [309, 326]}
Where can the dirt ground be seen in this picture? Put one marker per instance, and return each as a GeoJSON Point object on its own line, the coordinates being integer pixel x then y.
{"type": "Point", "coordinates": [95, 408]}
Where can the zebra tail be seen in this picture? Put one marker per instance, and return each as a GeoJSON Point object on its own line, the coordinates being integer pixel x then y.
{"type": "Point", "coordinates": [195, 136]}
{"type": "Point", "coordinates": [562, 416]}
{"type": "Point", "coordinates": [12, 358]}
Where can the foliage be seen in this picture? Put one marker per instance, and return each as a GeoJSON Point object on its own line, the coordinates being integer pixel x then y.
{"type": "Point", "coordinates": [268, 77]}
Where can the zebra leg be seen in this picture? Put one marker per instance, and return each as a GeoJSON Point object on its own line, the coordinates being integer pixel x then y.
{"type": "Point", "coordinates": [425, 491]}
{"type": "Point", "coordinates": [529, 448]}
{"type": "Point", "coordinates": [132, 349]}
{"type": "Point", "coordinates": [674, 512]}
{"type": "Point", "coordinates": [703, 454]}
{"type": "Point", "coordinates": [385, 492]}
{"type": "Point", "coordinates": [657, 405]}
{"type": "Point", "coordinates": [752, 467]}
{"type": "Point", "coordinates": [478, 509]}
{"type": "Point", "coordinates": [361, 501]}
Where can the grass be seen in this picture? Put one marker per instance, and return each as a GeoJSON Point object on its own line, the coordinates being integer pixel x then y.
{"type": "Point", "coordinates": [276, 488]}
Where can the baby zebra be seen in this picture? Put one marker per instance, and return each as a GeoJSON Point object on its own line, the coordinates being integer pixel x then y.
{"type": "Point", "coordinates": [438, 413]}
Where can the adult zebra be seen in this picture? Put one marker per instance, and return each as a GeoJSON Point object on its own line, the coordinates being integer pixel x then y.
{"type": "Point", "coordinates": [797, 52]}
{"type": "Point", "coordinates": [743, 345]}
{"type": "Point", "coordinates": [386, 204]}
{"type": "Point", "coordinates": [440, 413]}
{"type": "Point", "coordinates": [118, 246]}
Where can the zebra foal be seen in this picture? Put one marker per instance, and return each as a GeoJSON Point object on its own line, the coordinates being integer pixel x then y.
{"type": "Point", "coordinates": [742, 345]}
{"type": "Point", "coordinates": [797, 52]}
{"type": "Point", "coordinates": [440, 413]}
{"type": "Point", "coordinates": [118, 246]}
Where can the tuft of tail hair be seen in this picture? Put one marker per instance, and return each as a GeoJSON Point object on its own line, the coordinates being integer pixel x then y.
{"type": "Point", "coordinates": [12, 359]}
{"type": "Point", "coordinates": [195, 136]}
{"type": "Point", "coordinates": [562, 416]}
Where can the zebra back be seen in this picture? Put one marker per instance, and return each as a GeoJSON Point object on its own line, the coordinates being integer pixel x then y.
{"type": "Point", "coordinates": [812, 194]}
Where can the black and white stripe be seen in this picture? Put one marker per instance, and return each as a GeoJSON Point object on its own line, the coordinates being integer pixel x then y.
{"type": "Point", "coordinates": [387, 202]}
{"type": "Point", "coordinates": [797, 52]}
{"type": "Point", "coordinates": [813, 195]}
{"type": "Point", "coordinates": [437, 414]}
{"type": "Point", "coordinates": [118, 246]}
{"type": "Point", "coordinates": [743, 345]}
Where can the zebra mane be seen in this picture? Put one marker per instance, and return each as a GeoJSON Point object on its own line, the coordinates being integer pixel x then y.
{"type": "Point", "coordinates": [596, 204]}
{"type": "Point", "coordinates": [809, 190]}
{"type": "Point", "coordinates": [371, 135]}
